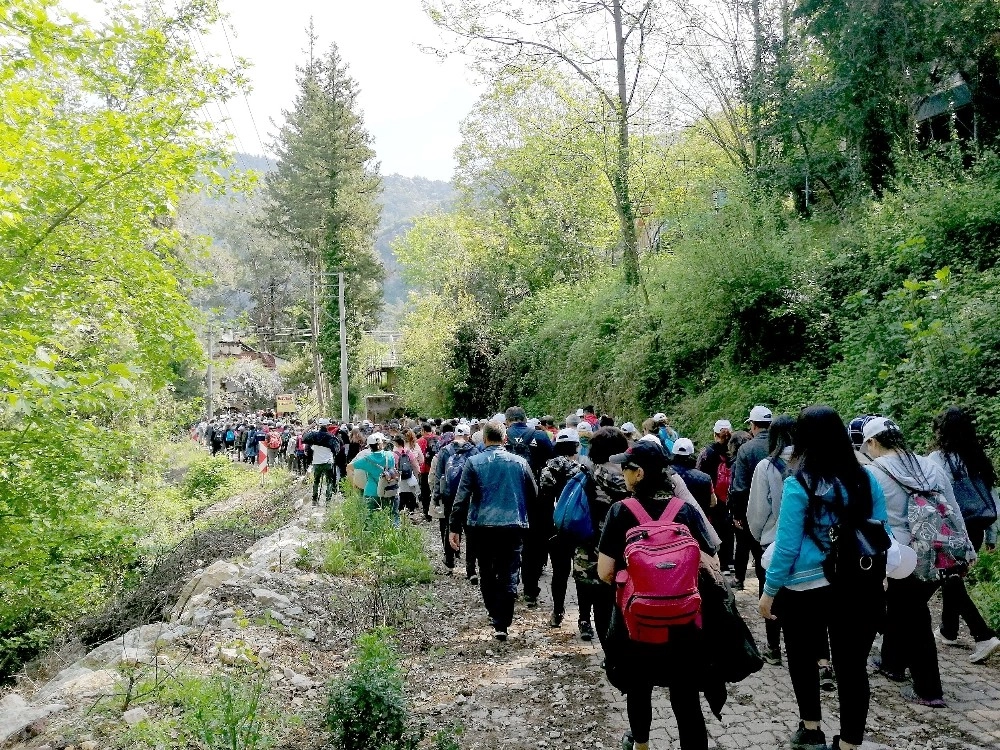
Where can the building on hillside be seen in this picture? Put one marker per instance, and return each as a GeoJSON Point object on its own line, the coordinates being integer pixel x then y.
{"type": "Point", "coordinates": [231, 346]}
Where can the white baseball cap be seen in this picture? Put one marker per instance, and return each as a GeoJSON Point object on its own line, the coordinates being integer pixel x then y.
{"type": "Point", "coordinates": [659, 417]}
{"type": "Point", "coordinates": [683, 447]}
{"type": "Point", "coordinates": [760, 414]}
{"type": "Point", "coordinates": [375, 438]}
{"type": "Point", "coordinates": [722, 424]}
{"type": "Point", "coordinates": [499, 419]}
{"type": "Point", "coordinates": [585, 426]}
{"type": "Point", "coordinates": [462, 429]}
{"type": "Point", "coordinates": [876, 426]}
{"type": "Point", "coordinates": [901, 561]}
{"type": "Point", "coordinates": [568, 435]}
{"type": "Point", "coordinates": [629, 429]}
{"type": "Point", "coordinates": [579, 412]}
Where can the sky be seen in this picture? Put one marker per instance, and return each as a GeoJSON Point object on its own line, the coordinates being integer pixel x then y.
{"type": "Point", "coordinates": [411, 101]}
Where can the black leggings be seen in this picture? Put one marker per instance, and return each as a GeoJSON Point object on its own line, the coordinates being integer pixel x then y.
{"type": "Point", "coordinates": [686, 705]}
{"type": "Point", "coordinates": [852, 621]}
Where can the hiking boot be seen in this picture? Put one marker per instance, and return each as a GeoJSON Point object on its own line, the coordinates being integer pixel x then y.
{"type": "Point", "coordinates": [500, 634]}
{"type": "Point", "coordinates": [808, 739]}
{"type": "Point", "coordinates": [910, 694]}
{"type": "Point", "coordinates": [556, 619]}
{"type": "Point", "coordinates": [826, 679]}
{"type": "Point", "coordinates": [983, 650]}
{"type": "Point", "coordinates": [876, 663]}
{"type": "Point", "coordinates": [942, 639]}
{"type": "Point", "coordinates": [627, 741]}
{"type": "Point", "coordinates": [530, 601]}
{"type": "Point", "coordinates": [586, 630]}
{"type": "Point", "coordinates": [772, 656]}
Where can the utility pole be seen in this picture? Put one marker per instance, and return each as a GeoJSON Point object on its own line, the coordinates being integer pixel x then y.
{"type": "Point", "coordinates": [210, 375]}
{"type": "Point", "coordinates": [345, 406]}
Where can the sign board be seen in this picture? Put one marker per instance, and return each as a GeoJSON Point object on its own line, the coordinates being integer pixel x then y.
{"type": "Point", "coordinates": [286, 404]}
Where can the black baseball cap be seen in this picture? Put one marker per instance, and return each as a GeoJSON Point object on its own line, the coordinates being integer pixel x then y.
{"type": "Point", "coordinates": [648, 456]}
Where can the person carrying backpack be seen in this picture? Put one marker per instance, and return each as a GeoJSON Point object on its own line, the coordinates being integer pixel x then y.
{"type": "Point", "coordinates": [715, 461]}
{"type": "Point", "coordinates": [534, 446]}
{"type": "Point", "coordinates": [961, 456]}
{"type": "Point", "coordinates": [626, 563]}
{"type": "Point", "coordinates": [923, 514]}
{"type": "Point", "coordinates": [450, 464]}
{"type": "Point", "coordinates": [828, 563]}
{"type": "Point", "coordinates": [555, 475]}
{"type": "Point", "coordinates": [429, 444]}
{"type": "Point", "coordinates": [382, 478]}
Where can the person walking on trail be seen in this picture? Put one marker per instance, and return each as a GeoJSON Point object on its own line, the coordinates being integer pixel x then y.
{"type": "Point", "coordinates": [961, 456]}
{"type": "Point", "coordinates": [254, 436]}
{"type": "Point", "coordinates": [828, 489]}
{"type": "Point", "coordinates": [749, 455]}
{"type": "Point", "coordinates": [698, 482]}
{"type": "Point", "coordinates": [447, 475]}
{"type": "Point", "coordinates": [533, 445]}
{"type": "Point", "coordinates": [667, 434]}
{"type": "Point", "coordinates": [910, 480]}
{"type": "Point", "coordinates": [492, 502]}
{"type": "Point", "coordinates": [763, 509]}
{"type": "Point", "coordinates": [639, 667]}
{"type": "Point", "coordinates": [324, 448]}
{"type": "Point", "coordinates": [555, 475]}
{"type": "Point", "coordinates": [429, 444]}
{"type": "Point", "coordinates": [378, 466]}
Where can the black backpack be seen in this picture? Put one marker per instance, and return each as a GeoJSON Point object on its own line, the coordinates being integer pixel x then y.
{"type": "Point", "coordinates": [433, 447]}
{"type": "Point", "coordinates": [405, 467]}
{"type": "Point", "coordinates": [974, 498]}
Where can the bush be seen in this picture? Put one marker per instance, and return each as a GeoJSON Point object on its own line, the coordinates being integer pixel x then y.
{"type": "Point", "coordinates": [984, 586]}
{"type": "Point", "coordinates": [371, 545]}
{"type": "Point", "coordinates": [367, 707]}
{"type": "Point", "coordinates": [211, 478]}
{"type": "Point", "coordinates": [231, 711]}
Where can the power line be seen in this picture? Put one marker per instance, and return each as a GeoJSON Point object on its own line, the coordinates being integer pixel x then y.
{"type": "Point", "coordinates": [253, 120]}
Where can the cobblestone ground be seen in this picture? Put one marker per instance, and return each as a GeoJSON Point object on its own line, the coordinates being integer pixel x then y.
{"type": "Point", "coordinates": [761, 711]}
{"type": "Point", "coordinates": [545, 690]}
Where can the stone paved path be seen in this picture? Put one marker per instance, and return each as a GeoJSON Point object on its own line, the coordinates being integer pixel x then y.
{"type": "Point", "coordinates": [761, 711]}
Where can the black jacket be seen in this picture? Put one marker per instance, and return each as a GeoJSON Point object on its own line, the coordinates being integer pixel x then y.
{"type": "Point", "coordinates": [750, 454]}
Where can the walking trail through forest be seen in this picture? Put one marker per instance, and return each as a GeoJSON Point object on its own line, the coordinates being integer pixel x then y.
{"type": "Point", "coordinates": [543, 688]}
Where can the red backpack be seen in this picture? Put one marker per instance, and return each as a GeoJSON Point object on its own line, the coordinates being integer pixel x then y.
{"type": "Point", "coordinates": [659, 586]}
{"type": "Point", "coordinates": [723, 478]}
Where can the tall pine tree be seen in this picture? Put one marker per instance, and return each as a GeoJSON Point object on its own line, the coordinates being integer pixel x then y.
{"type": "Point", "coordinates": [323, 198]}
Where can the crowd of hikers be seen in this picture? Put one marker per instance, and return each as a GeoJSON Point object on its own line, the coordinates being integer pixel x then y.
{"type": "Point", "coordinates": [850, 533]}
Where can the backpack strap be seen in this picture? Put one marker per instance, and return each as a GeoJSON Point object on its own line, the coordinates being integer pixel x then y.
{"type": "Point", "coordinates": [637, 510]}
{"type": "Point", "coordinates": [671, 511]}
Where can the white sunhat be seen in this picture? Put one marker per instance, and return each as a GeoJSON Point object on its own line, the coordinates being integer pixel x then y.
{"type": "Point", "coordinates": [876, 426]}
{"type": "Point", "coordinates": [683, 447]}
{"type": "Point", "coordinates": [568, 435]}
{"type": "Point", "coordinates": [760, 414]}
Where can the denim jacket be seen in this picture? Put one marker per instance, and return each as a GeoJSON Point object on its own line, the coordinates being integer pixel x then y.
{"type": "Point", "coordinates": [495, 490]}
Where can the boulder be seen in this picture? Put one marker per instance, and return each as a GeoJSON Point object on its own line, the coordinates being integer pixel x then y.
{"type": "Point", "coordinates": [16, 714]}
{"type": "Point", "coordinates": [228, 656]}
{"type": "Point", "coordinates": [273, 599]}
{"type": "Point", "coordinates": [215, 575]}
{"type": "Point", "coordinates": [135, 716]}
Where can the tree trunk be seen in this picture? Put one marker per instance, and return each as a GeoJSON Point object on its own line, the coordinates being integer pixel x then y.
{"type": "Point", "coordinates": [621, 183]}
{"type": "Point", "coordinates": [317, 363]}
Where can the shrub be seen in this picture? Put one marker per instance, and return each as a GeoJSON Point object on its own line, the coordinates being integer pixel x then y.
{"type": "Point", "coordinates": [231, 711]}
{"type": "Point", "coordinates": [213, 477]}
{"type": "Point", "coordinates": [371, 545]}
{"type": "Point", "coordinates": [984, 586]}
{"type": "Point", "coordinates": [367, 707]}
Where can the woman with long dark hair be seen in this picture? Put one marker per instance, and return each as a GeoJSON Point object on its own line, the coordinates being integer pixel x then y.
{"type": "Point", "coordinates": [908, 634]}
{"type": "Point", "coordinates": [638, 667]}
{"type": "Point", "coordinates": [829, 488]}
{"type": "Point", "coordinates": [961, 456]}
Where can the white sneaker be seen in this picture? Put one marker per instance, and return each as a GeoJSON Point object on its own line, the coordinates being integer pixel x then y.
{"type": "Point", "coordinates": [984, 649]}
{"type": "Point", "coordinates": [946, 641]}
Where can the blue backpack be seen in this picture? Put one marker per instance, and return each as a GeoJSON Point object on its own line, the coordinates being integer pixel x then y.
{"type": "Point", "coordinates": [572, 514]}
{"type": "Point", "coordinates": [453, 471]}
